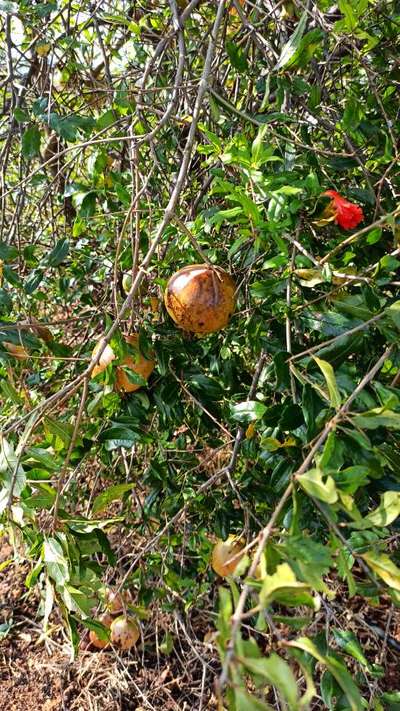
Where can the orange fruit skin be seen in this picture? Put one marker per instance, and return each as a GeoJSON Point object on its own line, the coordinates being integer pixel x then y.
{"type": "Point", "coordinates": [105, 620]}
{"type": "Point", "coordinates": [142, 367]}
{"type": "Point", "coordinates": [200, 299]}
{"type": "Point", "coordinates": [125, 632]}
{"type": "Point", "coordinates": [222, 552]}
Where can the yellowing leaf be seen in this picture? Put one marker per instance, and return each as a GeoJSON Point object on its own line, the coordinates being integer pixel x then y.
{"type": "Point", "coordinates": [309, 277]}
{"type": "Point", "coordinates": [315, 483]}
{"type": "Point", "coordinates": [284, 587]}
{"type": "Point", "coordinates": [251, 430]}
{"type": "Point", "coordinates": [387, 512]}
{"type": "Point", "coordinates": [381, 564]}
{"type": "Point", "coordinates": [329, 376]}
{"type": "Point", "coordinates": [43, 49]}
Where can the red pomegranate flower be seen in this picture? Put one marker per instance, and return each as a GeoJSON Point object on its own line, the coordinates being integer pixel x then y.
{"type": "Point", "coordinates": [346, 214]}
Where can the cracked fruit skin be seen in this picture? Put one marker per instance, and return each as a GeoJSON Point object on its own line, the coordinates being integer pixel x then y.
{"type": "Point", "coordinates": [141, 366]}
{"type": "Point", "coordinates": [125, 632]}
{"type": "Point", "coordinates": [200, 299]}
{"type": "Point", "coordinates": [222, 552]}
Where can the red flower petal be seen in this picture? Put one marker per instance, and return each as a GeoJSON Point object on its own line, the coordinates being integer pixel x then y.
{"type": "Point", "coordinates": [348, 215]}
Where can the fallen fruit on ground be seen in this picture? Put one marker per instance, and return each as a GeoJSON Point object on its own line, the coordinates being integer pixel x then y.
{"type": "Point", "coordinates": [141, 366]}
{"type": "Point", "coordinates": [95, 640]}
{"type": "Point", "coordinates": [200, 298]}
{"type": "Point", "coordinates": [125, 632]}
{"type": "Point", "coordinates": [222, 554]}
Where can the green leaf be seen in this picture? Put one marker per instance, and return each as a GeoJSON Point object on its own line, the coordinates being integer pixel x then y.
{"type": "Point", "coordinates": [62, 430]}
{"type": "Point", "coordinates": [377, 417]}
{"type": "Point", "coordinates": [318, 484]}
{"type": "Point", "coordinates": [224, 617]}
{"type": "Point", "coordinates": [329, 376]}
{"type": "Point", "coordinates": [350, 19]}
{"type": "Point", "coordinates": [237, 56]}
{"type": "Point", "coordinates": [33, 281]}
{"type": "Point", "coordinates": [349, 643]}
{"type": "Point", "coordinates": [45, 8]}
{"type": "Point", "coordinates": [10, 392]}
{"type": "Point", "coordinates": [289, 49]}
{"type": "Point", "coordinates": [245, 702]}
{"type": "Point", "coordinates": [257, 145]}
{"type": "Point", "coordinates": [352, 115]}
{"type": "Point", "coordinates": [248, 411]}
{"type": "Point", "coordinates": [336, 668]}
{"type": "Point", "coordinates": [8, 253]}
{"type": "Point", "coordinates": [118, 432]}
{"type": "Point", "coordinates": [277, 672]}
{"type": "Point", "coordinates": [167, 643]}
{"type": "Point", "coordinates": [295, 623]}
{"type": "Point", "coordinates": [43, 457]}
{"type": "Point", "coordinates": [31, 142]}
{"type": "Point", "coordinates": [309, 559]}
{"type": "Point", "coordinates": [54, 559]}
{"type": "Point", "coordinates": [101, 631]}
{"type": "Point", "coordinates": [11, 8]}
{"type": "Point", "coordinates": [58, 254]}
{"type": "Point", "coordinates": [43, 499]}
{"type": "Point", "coordinates": [112, 493]}
{"type": "Point", "coordinates": [393, 311]}
{"type": "Point", "coordinates": [88, 205]}
{"type": "Point", "coordinates": [20, 115]}
{"type": "Point", "coordinates": [105, 120]}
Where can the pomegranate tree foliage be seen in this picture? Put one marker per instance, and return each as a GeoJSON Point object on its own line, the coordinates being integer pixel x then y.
{"type": "Point", "coordinates": [137, 138]}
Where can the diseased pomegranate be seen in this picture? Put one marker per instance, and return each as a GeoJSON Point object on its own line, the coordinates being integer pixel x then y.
{"type": "Point", "coordinates": [125, 632]}
{"type": "Point", "coordinates": [223, 551]}
{"type": "Point", "coordinates": [200, 298]}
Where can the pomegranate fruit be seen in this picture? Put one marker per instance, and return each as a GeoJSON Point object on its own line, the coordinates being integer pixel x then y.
{"type": "Point", "coordinates": [200, 298]}
{"type": "Point", "coordinates": [106, 357]}
{"type": "Point", "coordinates": [142, 366]}
{"type": "Point", "coordinates": [115, 600]}
{"type": "Point", "coordinates": [95, 640]}
{"type": "Point", "coordinates": [222, 553]}
{"type": "Point", "coordinates": [125, 632]}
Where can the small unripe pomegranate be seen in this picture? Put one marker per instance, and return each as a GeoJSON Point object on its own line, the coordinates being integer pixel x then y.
{"type": "Point", "coordinates": [141, 366]}
{"type": "Point", "coordinates": [222, 553]}
{"type": "Point", "coordinates": [200, 298]}
{"type": "Point", "coordinates": [125, 632]}
{"type": "Point", "coordinates": [95, 640]}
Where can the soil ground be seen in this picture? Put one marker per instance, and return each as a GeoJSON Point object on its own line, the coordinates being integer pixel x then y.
{"type": "Point", "coordinates": [37, 674]}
